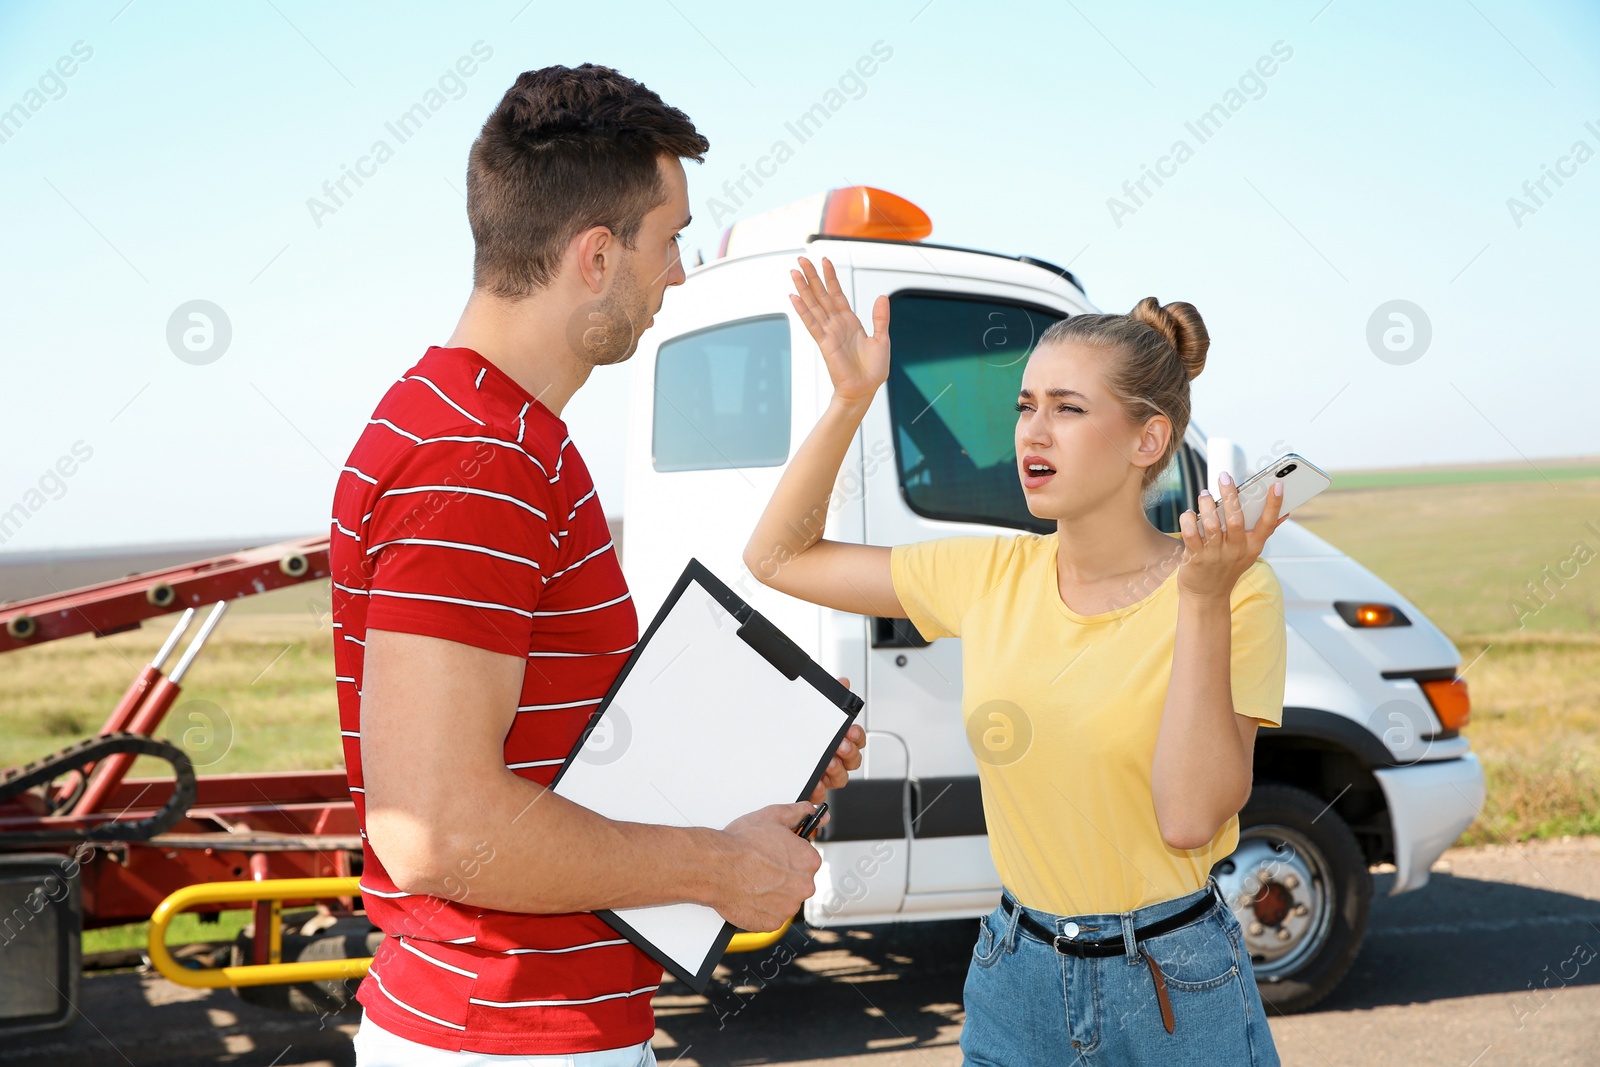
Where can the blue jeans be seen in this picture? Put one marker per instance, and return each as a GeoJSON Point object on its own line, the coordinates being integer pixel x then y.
{"type": "Point", "coordinates": [1029, 1004]}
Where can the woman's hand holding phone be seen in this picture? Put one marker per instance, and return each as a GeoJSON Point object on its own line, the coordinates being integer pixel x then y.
{"type": "Point", "coordinates": [1217, 549]}
{"type": "Point", "coordinates": [857, 363]}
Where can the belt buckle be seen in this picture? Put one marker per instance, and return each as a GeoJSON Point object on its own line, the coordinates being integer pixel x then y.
{"type": "Point", "coordinates": [1068, 935]}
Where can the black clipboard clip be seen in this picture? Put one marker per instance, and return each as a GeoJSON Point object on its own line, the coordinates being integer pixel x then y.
{"type": "Point", "coordinates": [773, 644]}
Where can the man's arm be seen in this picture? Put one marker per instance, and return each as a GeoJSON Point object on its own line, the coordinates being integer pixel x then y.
{"type": "Point", "coordinates": [434, 719]}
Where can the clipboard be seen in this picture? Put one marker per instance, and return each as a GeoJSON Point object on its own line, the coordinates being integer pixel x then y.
{"type": "Point", "coordinates": [715, 713]}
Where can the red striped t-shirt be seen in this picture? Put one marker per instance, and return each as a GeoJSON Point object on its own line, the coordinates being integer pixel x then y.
{"type": "Point", "coordinates": [465, 513]}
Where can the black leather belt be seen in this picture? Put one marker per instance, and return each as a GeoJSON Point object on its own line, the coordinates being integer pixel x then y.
{"type": "Point", "coordinates": [1071, 945]}
{"type": "Point", "coordinates": [1108, 946]}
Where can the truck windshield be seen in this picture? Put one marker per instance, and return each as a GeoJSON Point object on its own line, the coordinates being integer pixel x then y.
{"type": "Point", "coordinates": [952, 388]}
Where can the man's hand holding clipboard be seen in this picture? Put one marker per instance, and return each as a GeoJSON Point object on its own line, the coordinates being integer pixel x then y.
{"type": "Point", "coordinates": [717, 719]}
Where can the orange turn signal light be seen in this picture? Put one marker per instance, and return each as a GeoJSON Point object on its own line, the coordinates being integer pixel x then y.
{"type": "Point", "coordinates": [1363, 614]}
{"type": "Point", "coordinates": [864, 211]}
{"type": "Point", "coordinates": [1374, 615]}
{"type": "Point", "coordinates": [1450, 701]}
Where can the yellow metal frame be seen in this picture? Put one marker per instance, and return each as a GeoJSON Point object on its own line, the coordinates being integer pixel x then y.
{"type": "Point", "coordinates": [750, 942]}
{"type": "Point", "coordinates": [278, 890]}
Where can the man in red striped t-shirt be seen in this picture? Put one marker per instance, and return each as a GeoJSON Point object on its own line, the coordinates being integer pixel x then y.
{"type": "Point", "coordinates": [480, 615]}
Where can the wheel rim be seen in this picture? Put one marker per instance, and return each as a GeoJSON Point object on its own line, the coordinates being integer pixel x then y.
{"type": "Point", "coordinates": [1278, 884]}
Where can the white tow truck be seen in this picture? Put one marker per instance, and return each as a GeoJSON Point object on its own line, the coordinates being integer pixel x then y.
{"type": "Point", "coordinates": [1369, 766]}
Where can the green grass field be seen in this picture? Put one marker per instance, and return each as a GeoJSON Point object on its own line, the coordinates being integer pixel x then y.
{"type": "Point", "coordinates": [1465, 549]}
{"type": "Point", "coordinates": [260, 697]}
{"type": "Point", "coordinates": [1519, 471]}
{"type": "Point", "coordinates": [186, 929]}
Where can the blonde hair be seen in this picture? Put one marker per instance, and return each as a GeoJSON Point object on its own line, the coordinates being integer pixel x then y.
{"type": "Point", "coordinates": [1158, 349]}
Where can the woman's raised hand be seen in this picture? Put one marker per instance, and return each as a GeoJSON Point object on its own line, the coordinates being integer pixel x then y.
{"type": "Point", "coordinates": [858, 364]}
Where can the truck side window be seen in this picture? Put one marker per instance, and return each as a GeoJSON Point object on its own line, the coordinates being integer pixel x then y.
{"type": "Point", "coordinates": [953, 384]}
{"type": "Point", "coordinates": [722, 397]}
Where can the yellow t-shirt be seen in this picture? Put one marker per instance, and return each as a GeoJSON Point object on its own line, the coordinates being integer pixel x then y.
{"type": "Point", "coordinates": [1062, 711]}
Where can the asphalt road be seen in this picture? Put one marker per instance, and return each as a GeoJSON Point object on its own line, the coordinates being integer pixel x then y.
{"type": "Point", "coordinates": [1496, 962]}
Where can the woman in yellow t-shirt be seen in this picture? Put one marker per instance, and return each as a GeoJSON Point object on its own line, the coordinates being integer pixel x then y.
{"type": "Point", "coordinates": [1114, 677]}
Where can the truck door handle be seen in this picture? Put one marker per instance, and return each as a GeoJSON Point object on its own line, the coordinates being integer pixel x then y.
{"type": "Point", "coordinates": [895, 633]}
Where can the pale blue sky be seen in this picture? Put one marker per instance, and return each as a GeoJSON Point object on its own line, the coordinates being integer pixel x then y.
{"type": "Point", "coordinates": [1374, 164]}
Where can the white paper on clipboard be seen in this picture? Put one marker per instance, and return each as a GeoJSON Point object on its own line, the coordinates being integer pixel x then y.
{"type": "Point", "coordinates": [704, 724]}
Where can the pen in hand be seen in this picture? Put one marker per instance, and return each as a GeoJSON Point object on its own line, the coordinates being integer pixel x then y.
{"type": "Point", "coordinates": [809, 824]}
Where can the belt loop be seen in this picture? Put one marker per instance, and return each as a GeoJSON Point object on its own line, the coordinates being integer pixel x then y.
{"type": "Point", "coordinates": [1009, 935]}
{"type": "Point", "coordinates": [1129, 942]}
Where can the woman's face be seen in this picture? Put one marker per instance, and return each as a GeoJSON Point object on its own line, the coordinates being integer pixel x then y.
{"type": "Point", "coordinates": [1076, 447]}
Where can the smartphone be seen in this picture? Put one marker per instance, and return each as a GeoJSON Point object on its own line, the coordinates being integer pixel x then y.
{"type": "Point", "coordinates": [1301, 480]}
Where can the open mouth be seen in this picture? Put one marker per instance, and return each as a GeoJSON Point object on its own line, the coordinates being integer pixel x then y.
{"type": "Point", "coordinates": [1035, 472]}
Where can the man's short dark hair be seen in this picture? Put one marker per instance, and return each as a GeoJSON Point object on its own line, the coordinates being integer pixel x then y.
{"type": "Point", "coordinates": [567, 148]}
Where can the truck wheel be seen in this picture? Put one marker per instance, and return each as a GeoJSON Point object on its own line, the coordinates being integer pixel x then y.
{"type": "Point", "coordinates": [346, 939]}
{"type": "Point", "coordinates": [1299, 886]}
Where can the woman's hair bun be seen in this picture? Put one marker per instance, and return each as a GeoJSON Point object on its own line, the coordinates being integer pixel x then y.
{"type": "Point", "coordinates": [1181, 325]}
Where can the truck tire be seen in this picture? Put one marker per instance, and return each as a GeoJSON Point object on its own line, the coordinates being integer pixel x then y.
{"type": "Point", "coordinates": [1300, 888]}
{"type": "Point", "coordinates": [346, 939]}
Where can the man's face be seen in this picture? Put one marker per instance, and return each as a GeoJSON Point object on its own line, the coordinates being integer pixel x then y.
{"type": "Point", "coordinates": [610, 329]}
{"type": "Point", "coordinates": [657, 263]}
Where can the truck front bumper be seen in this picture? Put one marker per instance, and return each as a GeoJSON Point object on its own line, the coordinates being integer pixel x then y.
{"type": "Point", "coordinates": [1430, 804]}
